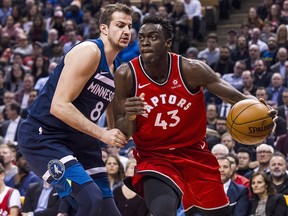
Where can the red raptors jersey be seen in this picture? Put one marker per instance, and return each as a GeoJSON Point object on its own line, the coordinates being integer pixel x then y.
{"type": "Point", "coordinates": [175, 116]}
{"type": "Point", "coordinates": [4, 205]}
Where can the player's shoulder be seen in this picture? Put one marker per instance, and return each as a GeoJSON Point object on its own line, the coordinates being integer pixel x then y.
{"type": "Point", "coordinates": [193, 64]}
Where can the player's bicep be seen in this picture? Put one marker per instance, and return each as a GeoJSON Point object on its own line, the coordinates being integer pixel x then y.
{"type": "Point", "coordinates": [76, 72]}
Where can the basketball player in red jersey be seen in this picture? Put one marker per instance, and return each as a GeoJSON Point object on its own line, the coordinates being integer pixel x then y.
{"type": "Point", "coordinates": [164, 90]}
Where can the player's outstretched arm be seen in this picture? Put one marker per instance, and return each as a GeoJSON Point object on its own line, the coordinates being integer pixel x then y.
{"type": "Point", "coordinates": [80, 64]}
{"type": "Point", "coordinates": [126, 105]}
{"type": "Point", "coordinates": [197, 73]}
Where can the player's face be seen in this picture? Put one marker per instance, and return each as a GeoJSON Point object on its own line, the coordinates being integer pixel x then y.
{"type": "Point", "coordinates": [258, 185]}
{"type": "Point", "coordinates": [119, 33]}
{"type": "Point", "coordinates": [152, 43]}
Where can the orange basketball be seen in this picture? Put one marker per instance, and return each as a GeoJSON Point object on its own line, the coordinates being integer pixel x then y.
{"type": "Point", "coordinates": [248, 122]}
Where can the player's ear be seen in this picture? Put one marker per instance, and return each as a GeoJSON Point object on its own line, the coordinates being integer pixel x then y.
{"type": "Point", "coordinates": [104, 29]}
{"type": "Point", "coordinates": [169, 43]}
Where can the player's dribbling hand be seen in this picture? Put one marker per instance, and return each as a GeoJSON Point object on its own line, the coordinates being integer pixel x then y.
{"type": "Point", "coordinates": [114, 137]}
{"type": "Point", "coordinates": [272, 112]}
{"type": "Point", "coordinates": [135, 106]}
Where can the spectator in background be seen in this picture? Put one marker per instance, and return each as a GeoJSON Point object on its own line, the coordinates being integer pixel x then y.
{"type": "Point", "coordinates": [8, 162]}
{"type": "Point", "coordinates": [264, 153]}
{"type": "Point", "coordinates": [193, 11]}
{"type": "Point", "coordinates": [56, 22]}
{"type": "Point", "coordinates": [48, 47]}
{"type": "Point", "coordinates": [5, 11]}
{"type": "Point", "coordinates": [266, 32]}
{"type": "Point", "coordinates": [24, 47]}
{"type": "Point", "coordinates": [279, 66]}
{"type": "Point", "coordinates": [282, 110]}
{"type": "Point", "coordinates": [9, 197]}
{"type": "Point", "coordinates": [72, 41]}
{"type": "Point", "coordinates": [115, 171]}
{"type": "Point", "coordinates": [241, 51]}
{"type": "Point", "coordinates": [28, 19]}
{"type": "Point", "coordinates": [237, 194]}
{"type": "Point", "coordinates": [274, 17]}
{"type": "Point", "coordinates": [221, 128]}
{"type": "Point", "coordinates": [41, 199]}
{"type": "Point", "coordinates": [70, 25]}
{"type": "Point", "coordinates": [254, 54]}
{"type": "Point", "coordinates": [13, 30]}
{"type": "Point", "coordinates": [244, 157]}
{"type": "Point", "coordinates": [22, 95]}
{"type": "Point", "coordinates": [14, 79]}
{"type": "Point", "coordinates": [38, 30]}
{"type": "Point", "coordinates": [227, 140]}
{"type": "Point", "coordinates": [32, 96]}
{"type": "Point", "coordinates": [24, 177]}
{"type": "Point", "coordinates": [41, 81]}
{"type": "Point", "coordinates": [93, 29]}
{"type": "Point", "coordinates": [179, 20]}
{"type": "Point", "coordinates": [224, 65]}
{"type": "Point", "coordinates": [281, 35]}
{"type": "Point", "coordinates": [269, 55]}
{"type": "Point", "coordinates": [263, 10]}
{"type": "Point", "coordinates": [255, 39]}
{"type": "Point", "coordinates": [84, 27]}
{"type": "Point", "coordinates": [74, 12]}
{"type": "Point", "coordinates": [40, 67]}
{"type": "Point", "coordinates": [264, 200]}
{"type": "Point", "coordinates": [127, 201]}
{"type": "Point", "coordinates": [248, 87]}
{"type": "Point", "coordinates": [235, 76]}
{"type": "Point", "coordinates": [284, 12]}
{"type": "Point", "coordinates": [212, 52]}
{"type": "Point", "coordinates": [9, 128]}
{"type": "Point", "coordinates": [2, 88]}
{"type": "Point", "coordinates": [192, 53]}
{"type": "Point", "coordinates": [212, 114]}
{"type": "Point", "coordinates": [275, 90]}
{"type": "Point", "coordinates": [262, 78]}
{"type": "Point", "coordinates": [253, 20]}
{"type": "Point", "coordinates": [8, 98]}
{"type": "Point", "coordinates": [279, 176]}
{"type": "Point", "coordinates": [57, 52]}
{"type": "Point", "coordinates": [219, 150]}
{"type": "Point", "coordinates": [231, 40]}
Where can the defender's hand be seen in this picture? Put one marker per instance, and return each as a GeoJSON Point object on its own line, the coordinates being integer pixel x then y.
{"type": "Point", "coordinates": [114, 137]}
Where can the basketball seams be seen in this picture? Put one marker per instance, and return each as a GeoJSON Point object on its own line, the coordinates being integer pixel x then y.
{"type": "Point", "coordinates": [258, 130]}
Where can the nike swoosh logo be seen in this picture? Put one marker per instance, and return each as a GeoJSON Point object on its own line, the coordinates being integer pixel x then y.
{"type": "Point", "coordinates": [142, 86]}
{"type": "Point", "coordinates": [202, 146]}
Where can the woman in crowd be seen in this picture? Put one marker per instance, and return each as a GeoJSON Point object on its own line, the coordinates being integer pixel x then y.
{"type": "Point", "coordinates": [115, 171]}
{"type": "Point", "coordinates": [264, 200]}
{"type": "Point", "coordinates": [127, 201]}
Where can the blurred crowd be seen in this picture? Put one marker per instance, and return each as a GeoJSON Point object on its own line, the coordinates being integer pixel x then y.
{"type": "Point", "coordinates": [34, 36]}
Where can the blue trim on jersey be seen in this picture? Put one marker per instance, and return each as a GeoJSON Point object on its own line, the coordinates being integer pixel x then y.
{"type": "Point", "coordinates": [74, 173]}
{"type": "Point", "coordinates": [103, 184]}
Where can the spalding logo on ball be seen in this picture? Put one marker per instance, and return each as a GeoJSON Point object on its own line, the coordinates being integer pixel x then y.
{"type": "Point", "coordinates": [248, 122]}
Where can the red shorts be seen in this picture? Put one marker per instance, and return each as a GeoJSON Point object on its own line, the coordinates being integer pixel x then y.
{"type": "Point", "coordinates": [192, 171]}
